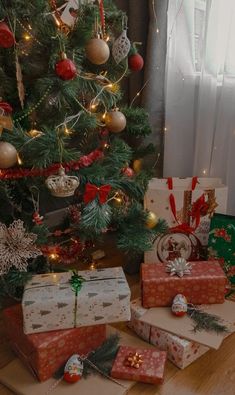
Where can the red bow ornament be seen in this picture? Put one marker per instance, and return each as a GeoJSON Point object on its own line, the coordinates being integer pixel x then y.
{"type": "Point", "coordinates": [92, 191]}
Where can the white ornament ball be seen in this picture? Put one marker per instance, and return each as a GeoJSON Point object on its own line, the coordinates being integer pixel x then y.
{"type": "Point", "coordinates": [97, 51]}
{"type": "Point", "coordinates": [8, 155]}
{"type": "Point", "coordinates": [179, 306]}
{"type": "Point", "coordinates": [115, 121]}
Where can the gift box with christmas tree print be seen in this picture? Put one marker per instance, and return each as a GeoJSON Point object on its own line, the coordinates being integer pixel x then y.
{"type": "Point", "coordinates": [56, 301]}
{"type": "Point", "coordinates": [44, 353]}
{"type": "Point", "coordinates": [222, 243]}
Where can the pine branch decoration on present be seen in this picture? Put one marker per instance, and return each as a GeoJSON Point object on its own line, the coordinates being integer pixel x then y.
{"type": "Point", "coordinates": [205, 321]}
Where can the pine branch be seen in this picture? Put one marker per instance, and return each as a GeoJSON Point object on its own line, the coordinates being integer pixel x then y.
{"type": "Point", "coordinates": [205, 321]}
{"type": "Point", "coordinates": [95, 217]}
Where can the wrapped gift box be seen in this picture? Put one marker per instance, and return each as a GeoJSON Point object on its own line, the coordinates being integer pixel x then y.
{"type": "Point", "coordinates": [204, 285]}
{"type": "Point", "coordinates": [222, 242]}
{"type": "Point", "coordinates": [50, 303]}
{"type": "Point", "coordinates": [151, 370]}
{"type": "Point", "coordinates": [45, 353]}
{"type": "Point", "coordinates": [180, 351]}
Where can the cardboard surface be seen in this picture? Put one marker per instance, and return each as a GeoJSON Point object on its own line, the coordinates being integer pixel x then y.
{"type": "Point", "coordinates": [162, 318]}
{"type": "Point", "coordinates": [18, 379]}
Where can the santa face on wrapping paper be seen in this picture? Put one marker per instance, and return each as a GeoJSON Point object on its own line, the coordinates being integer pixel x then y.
{"type": "Point", "coordinates": [177, 245]}
{"type": "Point", "coordinates": [70, 11]}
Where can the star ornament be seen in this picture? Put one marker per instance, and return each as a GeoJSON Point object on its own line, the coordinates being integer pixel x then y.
{"type": "Point", "coordinates": [178, 267]}
{"type": "Point", "coordinates": [16, 247]}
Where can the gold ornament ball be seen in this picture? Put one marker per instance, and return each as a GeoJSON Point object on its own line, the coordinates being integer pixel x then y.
{"type": "Point", "coordinates": [152, 220]}
{"type": "Point", "coordinates": [137, 165]}
{"type": "Point", "coordinates": [115, 121]}
{"type": "Point", "coordinates": [8, 155]}
{"type": "Point", "coordinates": [97, 51]}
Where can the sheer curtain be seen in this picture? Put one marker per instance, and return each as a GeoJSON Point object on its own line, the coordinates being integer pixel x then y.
{"type": "Point", "coordinates": [200, 91]}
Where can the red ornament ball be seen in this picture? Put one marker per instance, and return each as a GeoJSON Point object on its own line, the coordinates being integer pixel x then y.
{"type": "Point", "coordinates": [66, 69]}
{"type": "Point", "coordinates": [135, 62]}
{"type": "Point", "coordinates": [7, 39]}
{"type": "Point", "coordinates": [128, 171]}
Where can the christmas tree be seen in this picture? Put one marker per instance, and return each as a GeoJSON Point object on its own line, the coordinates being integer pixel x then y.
{"type": "Point", "coordinates": [67, 136]}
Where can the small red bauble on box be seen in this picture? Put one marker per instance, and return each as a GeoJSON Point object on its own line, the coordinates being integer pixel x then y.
{"type": "Point", "coordinates": [200, 282]}
{"type": "Point", "coordinates": [139, 364]}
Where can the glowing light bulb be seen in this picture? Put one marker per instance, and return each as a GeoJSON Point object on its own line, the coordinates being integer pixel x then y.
{"type": "Point", "coordinates": [27, 37]}
{"type": "Point", "coordinates": [92, 266]}
{"type": "Point", "coordinates": [204, 171]}
{"type": "Point", "coordinates": [57, 22]}
{"type": "Point", "coordinates": [109, 85]}
{"type": "Point", "coordinates": [157, 30]}
{"type": "Point", "coordinates": [66, 130]}
{"type": "Point", "coordinates": [19, 160]}
{"type": "Point", "coordinates": [165, 129]}
{"type": "Point", "coordinates": [53, 257]}
{"type": "Point", "coordinates": [107, 38]}
{"type": "Point", "coordinates": [104, 116]}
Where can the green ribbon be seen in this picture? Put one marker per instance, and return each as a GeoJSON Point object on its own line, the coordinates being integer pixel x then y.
{"type": "Point", "coordinates": [76, 285]}
{"type": "Point", "coordinates": [76, 282]}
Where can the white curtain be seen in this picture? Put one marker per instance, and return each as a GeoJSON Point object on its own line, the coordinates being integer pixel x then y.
{"type": "Point", "coordinates": [200, 91]}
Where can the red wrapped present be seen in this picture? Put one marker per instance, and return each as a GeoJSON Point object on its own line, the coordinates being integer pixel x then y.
{"type": "Point", "coordinates": [44, 353]}
{"type": "Point", "coordinates": [139, 364]}
{"type": "Point", "coordinates": [204, 283]}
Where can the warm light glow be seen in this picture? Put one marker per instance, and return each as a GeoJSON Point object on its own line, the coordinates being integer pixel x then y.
{"type": "Point", "coordinates": [66, 130]}
{"type": "Point", "coordinates": [27, 37]}
{"type": "Point", "coordinates": [138, 94]}
{"type": "Point", "coordinates": [57, 22]}
{"type": "Point", "coordinates": [19, 160]}
{"type": "Point", "coordinates": [104, 116]}
{"type": "Point", "coordinates": [109, 86]}
{"type": "Point", "coordinates": [92, 266]}
{"type": "Point", "coordinates": [204, 171]}
{"type": "Point", "coordinates": [118, 200]}
{"type": "Point", "coordinates": [34, 133]}
{"type": "Point", "coordinates": [165, 129]}
{"type": "Point", "coordinates": [53, 257]}
{"type": "Point", "coordinates": [106, 145]}
{"type": "Point", "coordinates": [157, 30]}
{"type": "Point", "coordinates": [107, 38]}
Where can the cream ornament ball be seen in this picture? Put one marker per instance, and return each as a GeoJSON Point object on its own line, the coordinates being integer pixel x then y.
{"type": "Point", "coordinates": [97, 51]}
{"type": "Point", "coordinates": [8, 155]}
{"type": "Point", "coordinates": [115, 121]}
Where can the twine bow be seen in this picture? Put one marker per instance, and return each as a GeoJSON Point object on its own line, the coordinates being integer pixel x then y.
{"type": "Point", "coordinates": [133, 360]}
{"type": "Point", "coordinates": [178, 267]}
{"type": "Point", "coordinates": [92, 191]}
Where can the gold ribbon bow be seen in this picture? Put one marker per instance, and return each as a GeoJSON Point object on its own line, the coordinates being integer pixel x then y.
{"type": "Point", "coordinates": [133, 360]}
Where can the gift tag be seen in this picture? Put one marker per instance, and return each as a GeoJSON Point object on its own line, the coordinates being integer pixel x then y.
{"type": "Point", "coordinates": [69, 15]}
{"type": "Point", "coordinates": [73, 369]}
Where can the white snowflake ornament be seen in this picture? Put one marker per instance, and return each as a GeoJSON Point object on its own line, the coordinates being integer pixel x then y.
{"type": "Point", "coordinates": [16, 247]}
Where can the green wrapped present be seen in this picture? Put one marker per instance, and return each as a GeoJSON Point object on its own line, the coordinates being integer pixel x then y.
{"type": "Point", "coordinates": [221, 243]}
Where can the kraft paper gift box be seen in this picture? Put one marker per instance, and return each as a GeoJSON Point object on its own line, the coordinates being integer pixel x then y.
{"type": "Point", "coordinates": [45, 353]}
{"type": "Point", "coordinates": [186, 204]}
{"type": "Point", "coordinates": [151, 370]}
{"type": "Point", "coordinates": [50, 303]}
{"type": "Point", "coordinates": [204, 285]}
{"type": "Point", "coordinates": [180, 351]}
{"type": "Point", "coordinates": [221, 243]}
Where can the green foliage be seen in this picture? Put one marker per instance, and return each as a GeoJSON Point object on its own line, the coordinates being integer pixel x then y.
{"type": "Point", "coordinates": [137, 122]}
{"type": "Point", "coordinates": [12, 284]}
{"type": "Point", "coordinates": [95, 218]}
{"type": "Point", "coordinates": [204, 321]}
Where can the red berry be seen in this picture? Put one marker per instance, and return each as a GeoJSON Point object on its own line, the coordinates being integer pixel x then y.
{"type": "Point", "coordinates": [66, 69]}
{"type": "Point", "coordinates": [135, 62]}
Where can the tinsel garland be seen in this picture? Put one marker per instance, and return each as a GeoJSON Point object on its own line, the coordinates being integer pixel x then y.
{"type": "Point", "coordinates": [84, 161]}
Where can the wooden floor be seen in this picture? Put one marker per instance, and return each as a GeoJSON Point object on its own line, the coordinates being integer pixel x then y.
{"type": "Point", "coordinates": [212, 374]}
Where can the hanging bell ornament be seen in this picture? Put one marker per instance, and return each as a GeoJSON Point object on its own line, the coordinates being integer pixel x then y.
{"type": "Point", "coordinates": [115, 121]}
{"type": "Point", "coordinates": [179, 306]}
{"type": "Point", "coordinates": [8, 155]}
{"type": "Point", "coordinates": [73, 369]}
{"type": "Point", "coordinates": [97, 51]}
{"type": "Point", "coordinates": [65, 68]}
{"type": "Point", "coordinates": [151, 220]}
{"type": "Point", "coordinates": [62, 185]}
{"type": "Point", "coordinates": [7, 39]}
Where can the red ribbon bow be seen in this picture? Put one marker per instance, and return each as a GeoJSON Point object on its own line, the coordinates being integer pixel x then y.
{"type": "Point", "coordinates": [92, 191]}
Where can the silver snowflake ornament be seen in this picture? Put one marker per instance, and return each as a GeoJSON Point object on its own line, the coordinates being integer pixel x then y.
{"type": "Point", "coordinates": [178, 267]}
{"type": "Point", "coordinates": [16, 247]}
{"type": "Point", "coordinates": [121, 47]}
